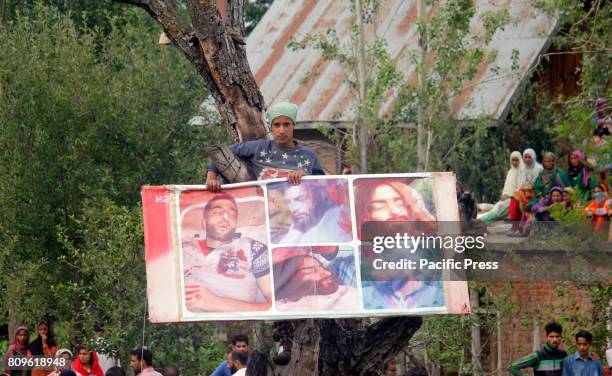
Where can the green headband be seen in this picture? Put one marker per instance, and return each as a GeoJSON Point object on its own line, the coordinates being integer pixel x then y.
{"type": "Point", "coordinates": [282, 109]}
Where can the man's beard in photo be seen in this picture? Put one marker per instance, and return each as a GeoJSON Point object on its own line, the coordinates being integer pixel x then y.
{"type": "Point", "coordinates": [212, 233]}
{"type": "Point", "coordinates": [305, 222]}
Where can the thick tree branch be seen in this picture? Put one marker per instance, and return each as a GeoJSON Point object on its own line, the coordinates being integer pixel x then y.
{"type": "Point", "coordinates": [176, 30]}
{"type": "Point", "coordinates": [235, 16]}
{"type": "Point", "coordinates": [219, 56]}
{"type": "Point", "coordinates": [223, 51]}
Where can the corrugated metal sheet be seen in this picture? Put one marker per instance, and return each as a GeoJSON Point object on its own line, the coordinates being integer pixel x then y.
{"type": "Point", "coordinates": [280, 72]}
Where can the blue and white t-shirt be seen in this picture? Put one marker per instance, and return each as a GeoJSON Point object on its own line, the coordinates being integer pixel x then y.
{"type": "Point", "coordinates": [269, 161]}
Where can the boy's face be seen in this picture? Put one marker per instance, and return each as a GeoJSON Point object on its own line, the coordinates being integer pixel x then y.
{"type": "Point", "coordinates": [553, 339]}
{"type": "Point", "coordinates": [241, 346]}
{"type": "Point", "coordinates": [583, 347]}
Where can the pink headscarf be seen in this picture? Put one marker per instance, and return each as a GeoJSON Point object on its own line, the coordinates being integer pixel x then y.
{"type": "Point", "coordinates": [16, 347]}
{"type": "Point", "coordinates": [585, 171]}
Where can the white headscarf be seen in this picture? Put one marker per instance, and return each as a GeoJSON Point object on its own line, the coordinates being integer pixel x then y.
{"type": "Point", "coordinates": [529, 174]}
{"type": "Point", "coordinates": [513, 178]}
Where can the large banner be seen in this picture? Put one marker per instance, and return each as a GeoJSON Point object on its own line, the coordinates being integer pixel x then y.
{"type": "Point", "coordinates": [272, 250]}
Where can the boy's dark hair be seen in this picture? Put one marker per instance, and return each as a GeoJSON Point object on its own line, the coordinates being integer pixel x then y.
{"type": "Point", "coordinates": [143, 354]}
{"type": "Point", "coordinates": [240, 337]}
{"type": "Point", "coordinates": [243, 358]}
{"type": "Point", "coordinates": [115, 371]}
{"type": "Point", "coordinates": [584, 334]}
{"type": "Point", "coordinates": [553, 327]}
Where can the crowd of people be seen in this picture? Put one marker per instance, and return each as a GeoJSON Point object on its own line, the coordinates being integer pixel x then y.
{"type": "Point", "coordinates": [83, 361]}
{"type": "Point", "coordinates": [532, 190]}
{"type": "Point", "coordinates": [530, 193]}
{"type": "Point", "coordinates": [552, 360]}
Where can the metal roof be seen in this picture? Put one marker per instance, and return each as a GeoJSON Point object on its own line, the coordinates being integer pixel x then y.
{"type": "Point", "coordinates": [280, 72]}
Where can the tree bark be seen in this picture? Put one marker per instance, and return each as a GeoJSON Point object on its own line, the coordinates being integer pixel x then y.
{"type": "Point", "coordinates": [421, 127]}
{"type": "Point", "coordinates": [361, 127]}
{"type": "Point", "coordinates": [476, 340]}
{"type": "Point", "coordinates": [218, 54]}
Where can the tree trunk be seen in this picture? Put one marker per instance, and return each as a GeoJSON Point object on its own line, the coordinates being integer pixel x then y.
{"type": "Point", "coordinates": [476, 340]}
{"type": "Point", "coordinates": [217, 52]}
{"type": "Point", "coordinates": [536, 332]}
{"type": "Point", "coordinates": [361, 127]}
{"type": "Point", "coordinates": [422, 147]}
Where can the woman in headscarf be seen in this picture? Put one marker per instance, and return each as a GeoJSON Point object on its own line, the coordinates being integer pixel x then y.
{"type": "Point", "coordinates": [87, 363]}
{"type": "Point", "coordinates": [520, 209]}
{"type": "Point", "coordinates": [528, 175]}
{"type": "Point", "coordinates": [513, 182]}
{"type": "Point", "coordinates": [600, 209]}
{"type": "Point", "coordinates": [568, 198]}
{"type": "Point", "coordinates": [19, 348]}
{"type": "Point", "coordinates": [541, 210]}
{"type": "Point", "coordinates": [43, 345]}
{"type": "Point", "coordinates": [550, 177]}
{"type": "Point", "coordinates": [580, 174]}
{"type": "Point", "coordinates": [531, 168]}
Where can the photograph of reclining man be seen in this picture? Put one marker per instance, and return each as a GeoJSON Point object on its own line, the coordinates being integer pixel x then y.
{"type": "Point", "coordinates": [225, 258]}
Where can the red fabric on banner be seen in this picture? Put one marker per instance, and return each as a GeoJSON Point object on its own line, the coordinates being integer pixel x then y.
{"type": "Point", "coordinates": [156, 206]}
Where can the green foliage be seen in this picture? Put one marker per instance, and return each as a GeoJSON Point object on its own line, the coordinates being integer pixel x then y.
{"type": "Point", "coordinates": [84, 13]}
{"type": "Point", "coordinates": [458, 54]}
{"type": "Point", "coordinates": [386, 146]}
{"type": "Point", "coordinates": [88, 116]}
{"type": "Point", "coordinates": [254, 10]}
{"type": "Point", "coordinates": [575, 315]}
{"type": "Point", "coordinates": [105, 257]}
{"type": "Point", "coordinates": [586, 31]}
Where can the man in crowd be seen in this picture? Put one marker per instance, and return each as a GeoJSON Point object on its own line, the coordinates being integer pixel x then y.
{"type": "Point", "coordinates": [225, 271]}
{"type": "Point", "coordinates": [141, 361]}
{"type": "Point", "coordinates": [240, 343]}
{"type": "Point", "coordinates": [303, 283]}
{"type": "Point", "coordinates": [314, 219]}
{"type": "Point", "coordinates": [582, 362]}
{"type": "Point", "coordinates": [238, 363]}
{"type": "Point", "coordinates": [281, 157]}
{"type": "Point", "coordinates": [547, 361]}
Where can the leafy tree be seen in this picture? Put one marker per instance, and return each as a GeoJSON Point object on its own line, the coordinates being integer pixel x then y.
{"type": "Point", "coordinates": [88, 116]}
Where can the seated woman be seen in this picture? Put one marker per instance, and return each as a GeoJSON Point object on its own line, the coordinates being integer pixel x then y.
{"type": "Point", "coordinates": [541, 210]}
{"type": "Point", "coordinates": [600, 209]}
{"type": "Point", "coordinates": [568, 198]}
{"type": "Point", "coordinates": [520, 213]}
{"type": "Point", "coordinates": [580, 174]}
{"type": "Point", "coordinates": [529, 173]}
{"type": "Point", "coordinates": [531, 168]}
{"type": "Point", "coordinates": [550, 177]}
{"type": "Point", "coordinates": [512, 183]}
